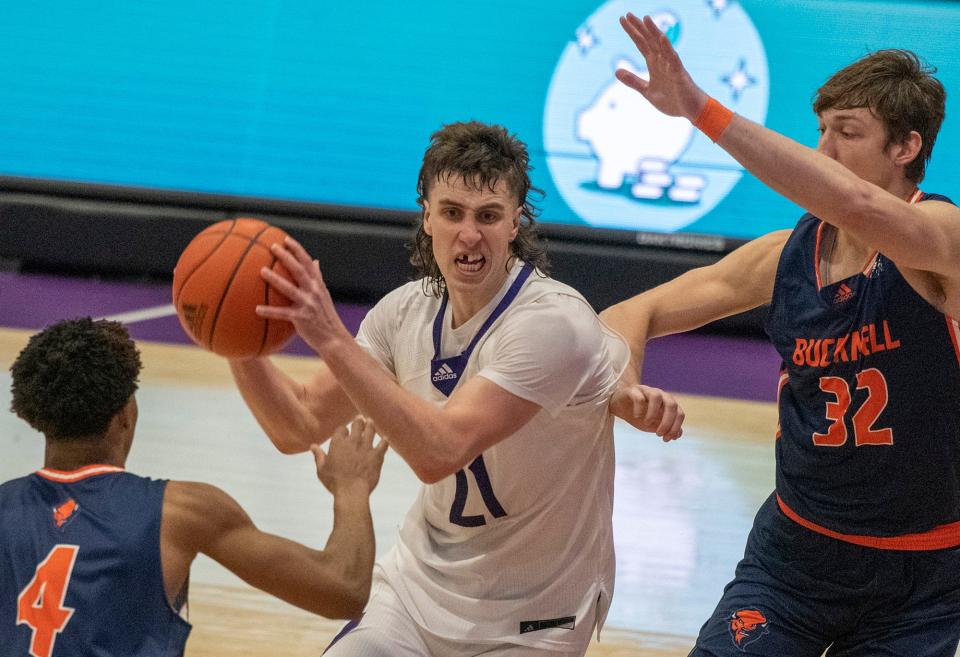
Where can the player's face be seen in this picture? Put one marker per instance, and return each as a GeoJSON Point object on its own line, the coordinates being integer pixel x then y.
{"type": "Point", "coordinates": [858, 140]}
{"type": "Point", "coordinates": [471, 230]}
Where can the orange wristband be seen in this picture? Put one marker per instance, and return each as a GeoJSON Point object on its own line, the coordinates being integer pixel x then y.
{"type": "Point", "coordinates": [713, 120]}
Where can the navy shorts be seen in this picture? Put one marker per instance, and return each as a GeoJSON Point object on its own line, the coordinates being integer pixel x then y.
{"type": "Point", "coordinates": [797, 593]}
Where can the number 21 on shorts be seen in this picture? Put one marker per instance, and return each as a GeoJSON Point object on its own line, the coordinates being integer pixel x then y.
{"type": "Point", "coordinates": [40, 604]}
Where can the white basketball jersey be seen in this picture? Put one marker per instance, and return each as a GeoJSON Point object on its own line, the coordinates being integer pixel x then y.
{"type": "Point", "coordinates": [519, 549]}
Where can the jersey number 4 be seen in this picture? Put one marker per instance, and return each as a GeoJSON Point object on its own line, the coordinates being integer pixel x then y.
{"type": "Point", "coordinates": [40, 604]}
{"type": "Point", "coordinates": [863, 431]}
{"type": "Point", "coordinates": [479, 470]}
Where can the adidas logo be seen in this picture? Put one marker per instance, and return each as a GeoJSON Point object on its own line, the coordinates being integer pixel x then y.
{"type": "Point", "coordinates": [444, 373]}
{"type": "Point", "coordinates": [844, 293]}
{"type": "Point", "coordinates": [194, 317]}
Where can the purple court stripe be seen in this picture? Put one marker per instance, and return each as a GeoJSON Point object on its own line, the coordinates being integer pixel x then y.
{"type": "Point", "coordinates": [691, 363]}
{"type": "Point", "coordinates": [719, 366]}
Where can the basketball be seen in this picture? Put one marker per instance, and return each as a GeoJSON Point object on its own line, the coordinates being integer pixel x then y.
{"type": "Point", "coordinates": [217, 287]}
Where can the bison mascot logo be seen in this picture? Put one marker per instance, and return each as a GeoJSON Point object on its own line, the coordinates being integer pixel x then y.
{"type": "Point", "coordinates": [746, 626]}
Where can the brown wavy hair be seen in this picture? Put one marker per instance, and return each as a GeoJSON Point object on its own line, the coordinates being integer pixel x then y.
{"type": "Point", "coordinates": [481, 155]}
{"type": "Point", "coordinates": [900, 90]}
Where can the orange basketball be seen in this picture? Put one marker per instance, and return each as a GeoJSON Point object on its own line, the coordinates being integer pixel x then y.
{"type": "Point", "coordinates": [217, 287]}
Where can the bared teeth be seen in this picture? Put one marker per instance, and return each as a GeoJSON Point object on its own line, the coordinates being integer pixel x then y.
{"type": "Point", "coordinates": [468, 265]}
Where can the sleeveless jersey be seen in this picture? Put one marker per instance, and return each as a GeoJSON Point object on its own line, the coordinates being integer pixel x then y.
{"type": "Point", "coordinates": [517, 547]}
{"type": "Point", "coordinates": [869, 441]}
{"type": "Point", "coordinates": [80, 570]}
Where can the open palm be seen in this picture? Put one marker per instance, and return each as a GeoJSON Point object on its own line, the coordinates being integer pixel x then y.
{"type": "Point", "coordinates": [670, 88]}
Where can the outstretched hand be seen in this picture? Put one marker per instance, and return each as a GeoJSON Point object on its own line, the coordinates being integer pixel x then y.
{"type": "Point", "coordinates": [649, 409]}
{"type": "Point", "coordinates": [352, 457]}
{"type": "Point", "coordinates": [669, 88]}
{"type": "Point", "coordinates": [311, 308]}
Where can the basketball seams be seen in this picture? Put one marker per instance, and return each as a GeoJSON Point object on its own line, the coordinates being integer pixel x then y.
{"type": "Point", "coordinates": [176, 296]}
{"type": "Point", "coordinates": [218, 285]}
{"type": "Point", "coordinates": [226, 288]}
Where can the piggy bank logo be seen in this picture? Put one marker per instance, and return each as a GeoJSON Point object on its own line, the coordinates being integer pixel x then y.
{"type": "Point", "coordinates": [632, 139]}
{"type": "Point", "coordinates": [616, 160]}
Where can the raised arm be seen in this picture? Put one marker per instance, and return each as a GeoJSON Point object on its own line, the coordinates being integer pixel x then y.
{"type": "Point", "coordinates": [740, 281]}
{"type": "Point", "coordinates": [294, 415]}
{"type": "Point", "coordinates": [924, 236]}
{"type": "Point", "coordinates": [333, 582]}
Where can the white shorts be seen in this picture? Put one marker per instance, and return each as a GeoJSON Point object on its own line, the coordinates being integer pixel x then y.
{"type": "Point", "coordinates": [386, 630]}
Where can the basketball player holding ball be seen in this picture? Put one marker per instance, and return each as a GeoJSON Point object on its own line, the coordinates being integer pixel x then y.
{"type": "Point", "coordinates": [493, 382]}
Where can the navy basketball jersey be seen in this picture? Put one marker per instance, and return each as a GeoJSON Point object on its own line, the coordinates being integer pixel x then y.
{"type": "Point", "coordinates": [80, 570]}
{"type": "Point", "coordinates": [869, 442]}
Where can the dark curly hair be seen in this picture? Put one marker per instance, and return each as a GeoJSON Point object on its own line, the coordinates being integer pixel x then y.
{"type": "Point", "coordinates": [900, 90]}
{"type": "Point", "coordinates": [480, 155]}
{"type": "Point", "coordinates": [74, 376]}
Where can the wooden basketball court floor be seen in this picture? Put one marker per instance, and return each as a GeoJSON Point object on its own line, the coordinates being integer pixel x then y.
{"type": "Point", "coordinates": [682, 510]}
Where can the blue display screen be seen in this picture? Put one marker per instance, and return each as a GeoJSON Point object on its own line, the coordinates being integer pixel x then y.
{"type": "Point", "coordinates": [334, 102]}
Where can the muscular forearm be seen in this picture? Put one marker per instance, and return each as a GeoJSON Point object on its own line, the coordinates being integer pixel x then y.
{"type": "Point", "coordinates": [351, 546]}
{"type": "Point", "coordinates": [879, 218]}
{"type": "Point", "coordinates": [815, 182]}
{"type": "Point", "coordinates": [418, 430]}
{"type": "Point", "coordinates": [276, 401]}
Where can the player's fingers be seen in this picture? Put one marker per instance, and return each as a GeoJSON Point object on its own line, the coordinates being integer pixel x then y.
{"type": "Point", "coordinates": [297, 250]}
{"type": "Point", "coordinates": [677, 429]}
{"type": "Point", "coordinates": [381, 448]}
{"type": "Point", "coordinates": [665, 421]}
{"type": "Point", "coordinates": [639, 402]}
{"type": "Point", "coordinates": [654, 409]}
{"type": "Point", "coordinates": [659, 45]}
{"type": "Point", "coordinates": [317, 273]}
{"type": "Point", "coordinates": [652, 33]}
{"type": "Point", "coordinates": [287, 259]}
{"type": "Point", "coordinates": [275, 312]}
{"type": "Point", "coordinates": [667, 417]}
{"type": "Point", "coordinates": [636, 23]}
{"type": "Point", "coordinates": [280, 284]}
{"type": "Point", "coordinates": [632, 80]}
{"type": "Point", "coordinates": [319, 457]}
{"type": "Point", "coordinates": [339, 434]}
{"type": "Point", "coordinates": [631, 27]}
{"type": "Point", "coordinates": [648, 31]}
{"type": "Point", "coordinates": [356, 426]}
{"type": "Point", "coordinates": [367, 431]}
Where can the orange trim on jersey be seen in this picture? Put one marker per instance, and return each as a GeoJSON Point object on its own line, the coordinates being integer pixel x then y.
{"type": "Point", "coordinates": [953, 328]}
{"type": "Point", "coordinates": [938, 538]}
{"type": "Point", "coordinates": [69, 476]}
{"type": "Point", "coordinates": [816, 256]}
{"type": "Point", "coordinates": [869, 264]}
{"type": "Point", "coordinates": [784, 378]}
